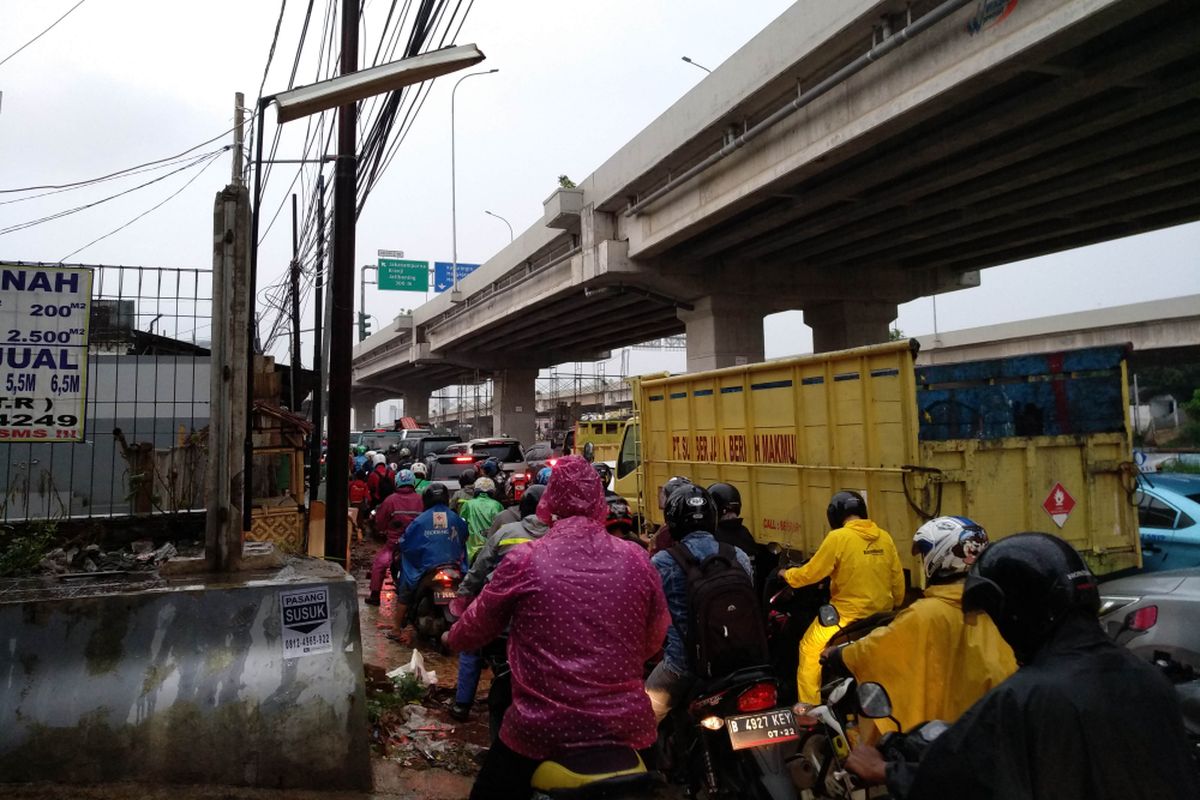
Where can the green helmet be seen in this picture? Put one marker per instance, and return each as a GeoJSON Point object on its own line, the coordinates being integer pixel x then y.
{"type": "Point", "coordinates": [360, 450]}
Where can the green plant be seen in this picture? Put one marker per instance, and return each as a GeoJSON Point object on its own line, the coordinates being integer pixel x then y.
{"type": "Point", "coordinates": [409, 689]}
{"type": "Point", "coordinates": [380, 703]}
{"type": "Point", "coordinates": [20, 552]}
{"type": "Point", "coordinates": [1192, 407]}
{"type": "Point", "coordinates": [565, 183]}
{"type": "Point", "coordinates": [1180, 467]}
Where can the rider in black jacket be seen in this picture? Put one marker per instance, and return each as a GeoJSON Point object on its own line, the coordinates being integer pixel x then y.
{"type": "Point", "coordinates": [1081, 718]}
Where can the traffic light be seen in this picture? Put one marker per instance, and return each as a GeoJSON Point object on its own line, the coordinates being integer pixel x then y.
{"type": "Point", "coordinates": [364, 326]}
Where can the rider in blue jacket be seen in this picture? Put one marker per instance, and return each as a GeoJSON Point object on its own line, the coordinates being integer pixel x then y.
{"type": "Point", "coordinates": [438, 536]}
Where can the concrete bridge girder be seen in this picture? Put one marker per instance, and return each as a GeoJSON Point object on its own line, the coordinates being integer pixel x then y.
{"type": "Point", "coordinates": [915, 83]}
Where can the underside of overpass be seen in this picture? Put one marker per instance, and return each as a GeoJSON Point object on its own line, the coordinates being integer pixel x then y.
{"type": "Point", "coordinates": [1069, 123]}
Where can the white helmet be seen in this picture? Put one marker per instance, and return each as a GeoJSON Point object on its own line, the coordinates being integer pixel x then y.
{"type": "Point", "coordinates": [419, 469]}
{"type": "Point", "coordinates": [379, 458]}
{"type": "Point", "coordinates": [948, 546]}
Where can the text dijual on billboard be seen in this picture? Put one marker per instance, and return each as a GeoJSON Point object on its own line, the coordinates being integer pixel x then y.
{"type": "Point", "coordinates": [44, 315]}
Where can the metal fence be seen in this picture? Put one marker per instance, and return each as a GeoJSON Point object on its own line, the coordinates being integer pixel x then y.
{"type": "Point", "coordinates": [147, 406]}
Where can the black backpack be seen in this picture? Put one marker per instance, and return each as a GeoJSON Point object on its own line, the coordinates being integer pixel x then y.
{"type": "Point", "coordinates": [725, 628]}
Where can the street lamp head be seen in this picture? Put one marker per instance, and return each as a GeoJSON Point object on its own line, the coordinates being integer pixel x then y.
{"type": "Point", "coordinates": [345, 89]}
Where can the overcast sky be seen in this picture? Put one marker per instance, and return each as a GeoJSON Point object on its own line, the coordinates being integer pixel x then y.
{"type": "Point", "coordinates": [121, 82]}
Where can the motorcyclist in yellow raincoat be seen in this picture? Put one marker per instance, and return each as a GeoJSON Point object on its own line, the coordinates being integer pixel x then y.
{"type": "Point", "coordinates": [934, 661]}
{"type": "Point", "coordinates": [867, 578]}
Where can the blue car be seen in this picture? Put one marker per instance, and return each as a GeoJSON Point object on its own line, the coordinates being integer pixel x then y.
{"type": "Point", "coordinates": [1169, 521]}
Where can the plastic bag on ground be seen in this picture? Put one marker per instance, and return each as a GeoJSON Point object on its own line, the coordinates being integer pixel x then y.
{"type": "Point", "coordinates": [416, 668]}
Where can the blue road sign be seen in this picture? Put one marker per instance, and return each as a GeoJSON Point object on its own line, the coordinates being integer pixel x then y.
{"type": "Point", "coordinates": [443, 274]}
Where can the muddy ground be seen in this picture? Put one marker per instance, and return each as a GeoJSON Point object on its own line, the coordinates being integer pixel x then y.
{"type": "Point", "coordinates": [417, 750]}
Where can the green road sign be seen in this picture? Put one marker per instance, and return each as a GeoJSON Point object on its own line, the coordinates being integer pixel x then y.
{"type": "Point", "coordinates": [399, 275]}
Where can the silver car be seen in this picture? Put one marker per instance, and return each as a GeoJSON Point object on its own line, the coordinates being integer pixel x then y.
{"type": "Point", "coordinates": [1155, 614]}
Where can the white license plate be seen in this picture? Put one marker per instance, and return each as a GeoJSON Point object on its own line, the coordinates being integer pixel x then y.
{"type": "Point", "coordinates": [443, 596]}
{"type": "Point", "coordinates": [765, 728]}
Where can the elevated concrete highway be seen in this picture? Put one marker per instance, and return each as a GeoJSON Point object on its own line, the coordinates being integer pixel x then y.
{"type": "Point", "coordinates": [1160, 332]}
{"type": "Point", "coordinates": [844, 161]}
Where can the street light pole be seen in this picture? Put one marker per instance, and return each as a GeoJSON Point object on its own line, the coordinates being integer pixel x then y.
{"type": "Point", "coordinates": [343, 92]}
{"type": "Point", "coordinates": [454, 296]}
{"type": "Point", "coordinates": [694, 64]}
{"type": "Point", "coordinates": [502, 219]}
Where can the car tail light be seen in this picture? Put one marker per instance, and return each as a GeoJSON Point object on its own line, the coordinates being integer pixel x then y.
{"type": "Point", "coordinates": [1143, 619]}
{"type": "Point", "coordinates": [759, 697]}
{"type": "Point", "coordinates": [462, 459]}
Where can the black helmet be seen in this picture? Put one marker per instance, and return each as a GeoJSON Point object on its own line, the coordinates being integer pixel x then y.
{"type": "Point", "coordinates": [727, 498]}
{"type": "Point", "coordinates": [668, 488]}
{"type": "Point", "coordinates": [690, 509]}
{"type": "Point", "coordinates": [1028, 584]}
{"type": "Point", "coordinates": [619, 515]}
{"type": "Point", "coordinates": [467, 477]}
{"type": "Point", "coordinates": [845, 504]}
{"type": "Point", "coordinates": [604, 471]}
{"type": "Point", "coordinates": [529, 500]}
{"type": "Point", "coordinates": [435, 494]}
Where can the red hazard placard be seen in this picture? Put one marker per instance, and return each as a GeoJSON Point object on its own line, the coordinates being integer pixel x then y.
{"type": "Point", "coordinates": [1058, 504]}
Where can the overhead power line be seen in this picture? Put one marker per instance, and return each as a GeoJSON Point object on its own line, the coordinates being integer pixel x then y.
{"type": "Point", "coordinates": [211, 160]}
{"type": "Point", "coordinates": [58, 215]}
{"type": "Point", "coordinates": [121, 172]}
{"type": "Point", "coordinates": [43, 33]}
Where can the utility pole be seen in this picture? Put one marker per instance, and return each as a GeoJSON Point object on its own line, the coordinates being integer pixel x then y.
{"type": "Point", "coordinates": [239, 122]}
{"type": "Point", "coordinates": [295, 276]}
{"type": "Point", "coordinates": [341, 343]}
{"type": "Point", "coordinates": [314, 466]}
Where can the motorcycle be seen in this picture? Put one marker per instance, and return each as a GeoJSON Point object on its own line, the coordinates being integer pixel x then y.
{"type": "Point", "coordinates": [729, 739]}
{"type": "Point", "coordinates": [818, 765]}
{"type": "Point", "coordinates": [429, 611]}
{"type": "Point", "coordinates": [603, 772]}
{"type": "Point", "coordinates": [789, 612]}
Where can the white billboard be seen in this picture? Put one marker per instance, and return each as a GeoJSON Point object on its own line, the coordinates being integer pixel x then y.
{"type": "Point", "coordinates": [44, 316]}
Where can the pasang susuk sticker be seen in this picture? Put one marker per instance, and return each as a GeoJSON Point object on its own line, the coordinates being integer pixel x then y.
{"type": "Point", "coordinates": [44, 314]}
{"type": "Point", "coordinates": [306, 627]}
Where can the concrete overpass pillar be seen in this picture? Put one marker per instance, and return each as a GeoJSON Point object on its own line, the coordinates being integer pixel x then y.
{"type": "Point", "coordinates": [513, 403]}
{"type": "Point", "coordinates": [364, 414]}
{"type": "Point", "coordinates": [723, 332]}
{"type": "Point", "coordinates": [416, 404]}
{"type": "Point", "coordinates": [849, 323]}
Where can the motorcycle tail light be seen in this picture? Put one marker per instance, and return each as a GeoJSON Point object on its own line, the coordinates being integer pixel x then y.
{"type": "Point", "coordinates": [713, 723]}
{"type": "Point", "coordinates": [1143, 619]}
{"type": "Point", "coordinates": [444, 577]}
{"type": "Point", "coordinates": [759, 697]}
{"type": "Point", "coordinates": [552, 462]}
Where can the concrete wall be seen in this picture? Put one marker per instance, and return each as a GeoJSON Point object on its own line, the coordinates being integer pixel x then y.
{"type": "Point", "coordinates": [182, 681]}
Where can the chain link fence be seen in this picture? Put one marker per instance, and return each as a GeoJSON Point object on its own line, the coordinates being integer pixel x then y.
{"type": "Point", "coordinates": [145, 445]}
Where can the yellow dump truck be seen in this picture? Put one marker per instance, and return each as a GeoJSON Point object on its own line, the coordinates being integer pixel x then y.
{"type": "Point", "coordinates": [603, 434]}
{"type": "Point", "coordinates": [1036, 442]}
